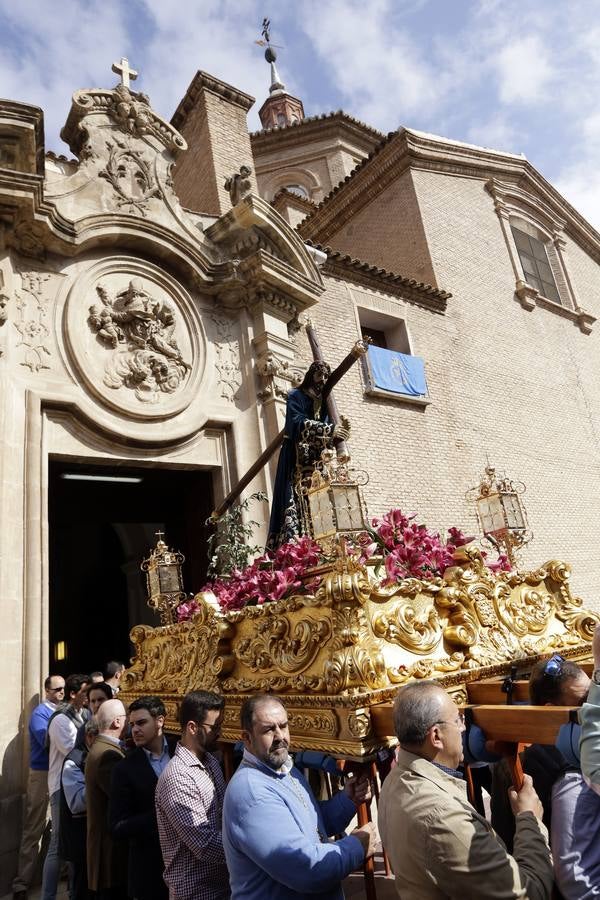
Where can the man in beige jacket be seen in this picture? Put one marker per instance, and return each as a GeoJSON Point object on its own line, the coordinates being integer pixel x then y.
{"type": "Point", "coordinates": [438, 845]}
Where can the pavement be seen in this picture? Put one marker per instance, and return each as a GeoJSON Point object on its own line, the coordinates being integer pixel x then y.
{"type": "Point", "coordinates": [354, 886]}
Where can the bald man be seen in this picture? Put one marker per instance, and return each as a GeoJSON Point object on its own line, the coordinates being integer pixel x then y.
{"type": "Point", "coordinates": [106, 862]}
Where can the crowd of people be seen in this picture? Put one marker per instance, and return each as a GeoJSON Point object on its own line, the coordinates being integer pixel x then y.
{"type": "Point", "coordinates": [136, 815]}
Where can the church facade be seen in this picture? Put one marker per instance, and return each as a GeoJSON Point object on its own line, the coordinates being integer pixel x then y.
{"type": "Point", "coordinates": [151, 325]}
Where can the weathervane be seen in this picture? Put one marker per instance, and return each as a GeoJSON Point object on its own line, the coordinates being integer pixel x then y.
{"type": "Point", "coordinates": [265, 41]}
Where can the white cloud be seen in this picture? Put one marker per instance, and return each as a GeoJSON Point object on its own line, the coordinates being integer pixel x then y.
{"type": "Point", "coordinates": [581, 187]}
{"type": "Point", "coordinates": [524, 71]}
{"type": "Point", "coordinates": [469, 76]}
{"type": "Point", "coordinates": [495, 132]}
{"type": "Point", "coordinates": [375, 63]}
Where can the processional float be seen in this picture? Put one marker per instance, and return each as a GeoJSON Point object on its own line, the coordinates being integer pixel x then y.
{"type": "Point", "coordinates": [340, 646]}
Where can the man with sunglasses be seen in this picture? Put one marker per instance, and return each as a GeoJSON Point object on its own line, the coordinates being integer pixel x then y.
{"type": "Point", "coordinates": [36, 811]}
{"type": "Point", "coordinates": [189, 805]}
{"type": "Point", "coordinates": [439, 846]}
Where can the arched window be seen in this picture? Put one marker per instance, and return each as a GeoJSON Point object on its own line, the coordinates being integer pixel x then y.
{"type": "Point", "coordinates": [535, 259]}
{"type": "Point", "coordinates": [297, 189]}
{"type": "Point", "coordinates": [536, 242]}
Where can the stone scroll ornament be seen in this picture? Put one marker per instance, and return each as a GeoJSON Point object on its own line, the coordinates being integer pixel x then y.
{"type": "Point", "coordinates": [139, 330]}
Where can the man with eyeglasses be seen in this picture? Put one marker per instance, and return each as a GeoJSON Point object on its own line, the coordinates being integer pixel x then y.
{"type": "Point", "coordinates": [189, 805]}
{"type": "Point", "coordinates": [36, 810]}
{"type": "Point", "coordinates": [439, 846]}
{"type": "Point", "coordinates": [61, 737]}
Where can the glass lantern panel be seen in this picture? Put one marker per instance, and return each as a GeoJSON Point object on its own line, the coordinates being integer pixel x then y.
{"type": "Point", "coordinates": [514, 514]}
{"type": "Point", "coordinates": [321, 513]}
{"type": "Point", "coordinates": [153, 581]}
{"type": "Point", "coordinates": [169, 579]}
{"type": "Point", "coordinates": [348, 508]}
{"type": "Point", "coordinates": [492, 514]}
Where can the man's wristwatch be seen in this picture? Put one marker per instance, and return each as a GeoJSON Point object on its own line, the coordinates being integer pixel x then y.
{"type": "Point", "coordinates": [596, 676]}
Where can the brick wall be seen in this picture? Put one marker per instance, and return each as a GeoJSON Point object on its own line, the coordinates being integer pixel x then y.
{"type": "Point", "coordinates": [218, 144]}
{"type": "Point", "coordinates": [388, 232]}
{"type": "Point", "coordinates": [517, 386]}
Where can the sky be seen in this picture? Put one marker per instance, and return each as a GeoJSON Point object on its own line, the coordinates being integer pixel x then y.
{"type": "Point", "coordinates": [516, 75]}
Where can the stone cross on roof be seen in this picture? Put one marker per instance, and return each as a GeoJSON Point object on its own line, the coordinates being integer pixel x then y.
{"type": "Point", "coordinates": [124, 71]}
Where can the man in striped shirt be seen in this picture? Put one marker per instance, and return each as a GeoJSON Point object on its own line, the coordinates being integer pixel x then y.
{"type": "Point", "coordinates": [189, 805]}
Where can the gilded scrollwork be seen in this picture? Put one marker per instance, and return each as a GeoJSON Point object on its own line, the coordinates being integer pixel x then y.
{"type": "Point", "coordinates": [354, 659]}
{"type": "Point", "coordinates": [413, 626]}
{"type": "Point", "coordinates": [306, 684]}
{"type": "Point", "coordinates": [462, 629]}
{"type": "Point", "coordinates": [320, 723]}
{"type": "Point", "coordinates": [178, 658]}
{"type": "Point", "coordinates": [359, 724]}
{"type": "Point", "coordinates": [569, 609]}
{"type": "Point", "coordinates": [524, 610]}
{"type": "Point", "coordinates": [354, 641]}
{"type": "Point", "coordinates": [279, 644]}
{"type": "Point", "coordinates": [426, 668]}
{"type": "Point", "coordinates": [347, 582]}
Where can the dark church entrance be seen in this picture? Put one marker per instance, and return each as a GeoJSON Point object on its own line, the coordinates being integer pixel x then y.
{"type": "Point", "coordinates": [102, 522]}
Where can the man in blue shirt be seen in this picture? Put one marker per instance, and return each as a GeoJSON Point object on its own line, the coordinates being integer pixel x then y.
{"type": "Point", "coordinates": [36, 811]}
{"type": "Point", "coordinates": [275, 834]}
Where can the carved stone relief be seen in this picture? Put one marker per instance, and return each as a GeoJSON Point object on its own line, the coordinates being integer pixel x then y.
{"type": "Point", "coordinates": [278, 377]}
{"type": "Point", "coordinates": [239, 185]}
{"type": "Point", "coordinates": [134, 337]}
{"type": "Point", "coordinates": [31, 303]}
{"type": "Point", "coordinates": [227, 350]}
{"type": "Point", "coordinates": [131, 176]}
{"type": "Point", "coordinates": [138, 329]}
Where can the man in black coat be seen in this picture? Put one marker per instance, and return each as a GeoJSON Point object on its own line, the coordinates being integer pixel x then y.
{"type": "Point", "coordinates": [132, 816]}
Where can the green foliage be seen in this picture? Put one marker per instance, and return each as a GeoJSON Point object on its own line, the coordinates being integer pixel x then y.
{"type": "Point", "coordinates": [229, 545]}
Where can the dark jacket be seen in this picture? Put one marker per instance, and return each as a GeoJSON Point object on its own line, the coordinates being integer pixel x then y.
{"type": "Point", "coordinates": [73, 829]}
{"type": "Point", "coordinates": [106, 860]}
{"type": "Point", "coordinates": [132, 817]}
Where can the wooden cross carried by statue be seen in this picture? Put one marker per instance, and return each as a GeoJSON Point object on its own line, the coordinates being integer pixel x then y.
{"type": "Point", "coordinates": [318, 390]}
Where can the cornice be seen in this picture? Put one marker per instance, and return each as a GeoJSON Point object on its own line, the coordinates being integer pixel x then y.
{"type": "Point", "coordinates": [284, 198]}
{"type": "Point", "coordinates": [364, 183]}
{"type": "Point", "coordinates": [15, 114]}
{"type": "Point", "coordinates": [405, 149]}
{"type": "Point", "coordinates": [299, 132]}
{"type": "Point", "coordinates": [204, 81]}
{"type": "Point", "coordinates": [345, 267]}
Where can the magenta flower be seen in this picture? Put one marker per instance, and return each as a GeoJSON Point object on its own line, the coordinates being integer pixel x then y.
{"type": "Point", "coordinates": [408, 550]}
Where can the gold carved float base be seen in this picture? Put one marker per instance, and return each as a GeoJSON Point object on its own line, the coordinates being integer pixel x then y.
{"type": "Point", "coordinates": [337, 653]}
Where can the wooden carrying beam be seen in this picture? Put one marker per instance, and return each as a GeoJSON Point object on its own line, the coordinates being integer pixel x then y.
{"type": "Point", "coordinates": [513, 724]}
{"type": "Point", "coordinates": [521, 724]}
{"type": "Point", "coordinates": [491, 692]}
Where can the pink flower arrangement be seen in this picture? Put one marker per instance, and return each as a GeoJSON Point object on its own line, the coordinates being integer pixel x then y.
{"type": "Point", "coordinates": [408, 550]}
{"type": "Point", "coordinates": [271, 576]}
{"type": "Point", "coordinates": [187, 610]}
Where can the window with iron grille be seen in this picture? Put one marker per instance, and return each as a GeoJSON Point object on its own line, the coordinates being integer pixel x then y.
{"type": "Point", "coordinates": [536, 266]}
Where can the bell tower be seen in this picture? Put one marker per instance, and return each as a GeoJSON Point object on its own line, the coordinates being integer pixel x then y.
{"type": "Point", "coordinates": [280, 109]}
